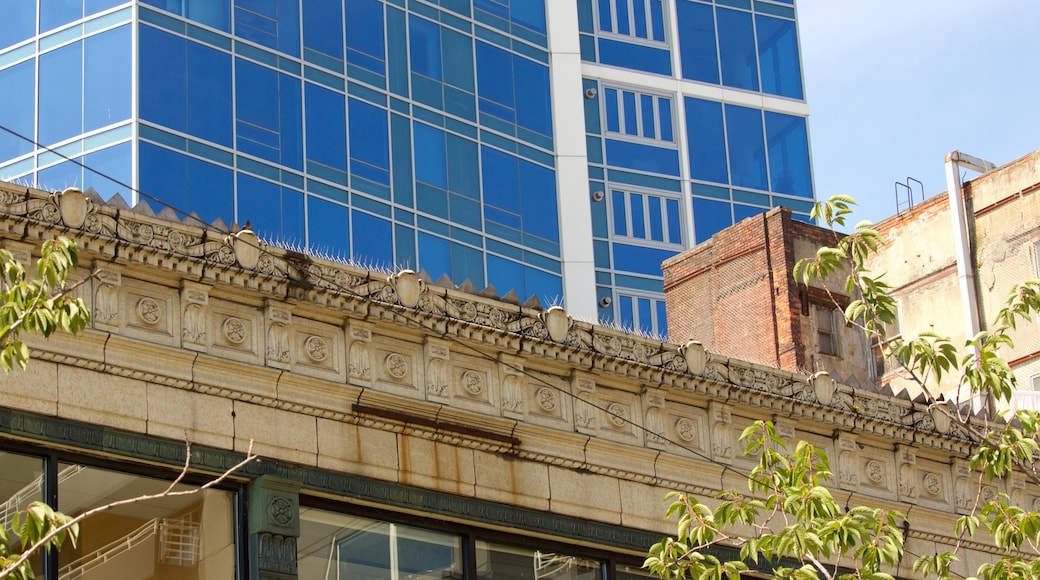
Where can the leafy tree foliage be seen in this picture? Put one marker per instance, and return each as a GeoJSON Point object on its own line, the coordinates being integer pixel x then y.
{"type": "Point", "coordinates": [41, 305]}
{"type": "Point", "coordinates": [788, 521]}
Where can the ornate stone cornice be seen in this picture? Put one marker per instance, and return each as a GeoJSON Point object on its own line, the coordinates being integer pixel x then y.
{"type": "Point", "coordinates": [240, 264]}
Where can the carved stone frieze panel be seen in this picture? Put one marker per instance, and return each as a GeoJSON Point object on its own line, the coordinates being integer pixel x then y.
{"type": "Point", "coordinates": [511, 379]}
{"type": "Point", "coordinates": [317, 350]}
{"type": "Point", "coordinates": [396, 367]}
{"type": "Point", "coordinates": [106, 315]}
{"type": "Point", "coordinates": [437, 354]}
{"type": "Point", "coordinates": [235, 331]}
{"type": "Point", "coordinates": [150, 312]}
{"type": "Point", "coordinates": [908, 478]}
{"type": "Point", "coordinates": [194, 315]}
{"type": "Point", "coordinates": [278, 335]}
{"type": "Point", "coordinates": [359, 352]}
{"type": "Point", "coordinates": [548, 400]}
{"type": "Point", "coordinates": [848, 460]}
{"type": "Point", "coordinates": [655, 409]}
{"type": "Point", "coordinates": [586, 413]}
{"type": "Point", "coordinates": [723, 442]}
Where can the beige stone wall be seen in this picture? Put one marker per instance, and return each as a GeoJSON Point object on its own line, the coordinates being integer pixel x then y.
{"type": "Point", "coordinates": [225, 341]}
{"type": "Point", "coordinates": [919, 261]}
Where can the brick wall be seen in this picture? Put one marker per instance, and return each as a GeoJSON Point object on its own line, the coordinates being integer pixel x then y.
{"type": "Point", "coordinates": [735, 293]}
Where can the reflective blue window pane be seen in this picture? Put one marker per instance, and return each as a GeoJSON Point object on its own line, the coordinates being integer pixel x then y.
{"type": "Point", "coordinates": [163, 177]}
{"type": "Point", "coordinates": [372, 238]}
{"type": "Point", "coordinates": [19, 17]}
{"type": "Point", "coordinates": [424, 41]}
{"type": "Point", "coordinates": [674, 225]}
{"type": "Point", "coordinates": [620, 213]}
{"type": "Point", "coordinates": [737, 49]}
{"type": "Point", "coordinates": [257, 108]}
{"type": "Point", "coordinates": [467, 264]}
{"type": "Point", "coordinates": [635, 202]}
{"type": "Point", "coordinates": [290, 126]}
{"type": "Point", "coordinates": [626, 315]}
{"type": "Point", "coordinates": [533, 108]}
{"type": "Point", "coordinates": [458, 59]}
{"type": "Point", "coordinates": [528, 14]}
{"type": "Point", "coordinates": [434, 255]}
{"type": "Point", "coordinates": [404, 247]}
{"type": "Point", "coordinates": [700, 59]}
{"type": "Point", "coordinates": [494, 74]}
{"type": "Point", "coordinates": [326, 126]}
{"type": "Point", "coordinates": [269, 110]}
{"type": "Point", "coordinates": [605, 19]}
{"type": "Point", "coordinates": [215, 13]}
{"type": "Point", "coordinates": [209, 94]}
{"type": "Point", "coordinates": [274, 212]}
{"type": "Point", "coordinates": [646, 317]}
{"type": "Point", "coordinates": [327, 226]}
{"type": "Point", "coordinates": [710, 217]}
{"type": "Point", "coordinates": [662, 317]}
{"type": "Point", "coordinates": [401, 141]}
{"type": "Point", "coordinates": [463, 167]}
{"type": "Point", "coordinates": [501, 179]}
{"type": "Point", "coordinates": [655, 218]}
{"type": "Point", "coordinates": [54, 13]}
{"type": "Point", "coordinates": [657, 19]}
{"type": "Point", "coordinates": [742, 212]}
{"type": "Point", "coordinates": [639, 19]}
{"type": "Point", "coordinates": [431, 157]}
{"type": "Point", "coordinates": [628, 105]}
{"type": "Point", "coordinates": [271, 23]}
{"type": "Point", "coordinates": [642, 157]}
{"type": "Point", "coordinates": [58, 177]}
{"type": "Point", "coordinates": [538, 201]}
{"type": "Point", "coordinates": [19, 111]}
{"type": "Point", "coordinates": [108, 171]}
{"type": "Point", "coordinates": [788, 154]}
{"type": "Point", "coordinates": [505, 275]}
{"type": "Point", "coordinates": [621, 16]}
{"type": "Point", "coordinates": [778, 55]}
{"type": "Point", "coordinates": [186, 184]}
{"type": "Point", "coordinates": [61, 91]}
{"type": "Point", "coordinates": [640, 260]}
{"type": "Point", "coordinates": [210, 190]}
{"type": "Point", "coordinates": [547, 287]}
{"type": "Point", "coordinates": [369, 139]}
{"type": "Point", "coordinates": [95, 6]}
{"type": "Point", "coordinates": [611, 104]}
{"type": "Point", "coordinates": [635, 56]}
{"type": "Point", "coordinates": [706, 136]}
{"type": "Point", "coordinates": [364, 26]}
{"type": "Point", "coordinates": [747, 155]}
{"type": "Point", "coordinates": [106, 78]}
{"type": "Point", "coordinates": [323, 27]}
{"type": "Point", "coordinates": [665, 118]}
{"type": "Point", "coordinates": [163, 94]}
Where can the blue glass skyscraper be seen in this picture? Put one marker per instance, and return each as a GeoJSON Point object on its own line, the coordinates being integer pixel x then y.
{"type": "Point", "coordinates": [561, 148]}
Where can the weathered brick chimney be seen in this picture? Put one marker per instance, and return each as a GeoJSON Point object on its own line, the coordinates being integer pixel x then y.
{"type": "Point", "coordinates": [736, 295]}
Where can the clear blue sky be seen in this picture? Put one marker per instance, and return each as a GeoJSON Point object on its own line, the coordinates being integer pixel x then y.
{"type": "Point", "coordinates": [895, 85]}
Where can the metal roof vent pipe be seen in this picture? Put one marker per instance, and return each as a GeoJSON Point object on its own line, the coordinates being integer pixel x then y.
{"type": "Point", "coordinates": [962, 249]}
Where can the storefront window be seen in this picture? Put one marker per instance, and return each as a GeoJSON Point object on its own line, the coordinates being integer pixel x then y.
{"type": "Point", "coordinates": [337, 546]}
{"type": "Point", "coordinates": [21, 483]}
{"type": "Point", "coordinates": [187, 537]}
{"type": "Point", "coordinates": [497, 561]}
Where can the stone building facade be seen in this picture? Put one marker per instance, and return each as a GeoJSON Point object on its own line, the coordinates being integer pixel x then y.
{"type": "Point", "coordinates": [405, 430]}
